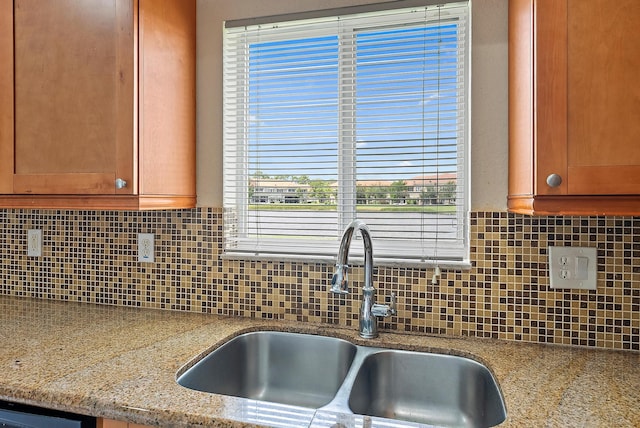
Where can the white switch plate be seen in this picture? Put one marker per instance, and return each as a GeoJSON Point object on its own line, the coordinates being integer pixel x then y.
{"type": "Point", "coordinates": [145, 247]}
{"type": "Point", "coordinates": [573, 267]}
{"type": "Point", "coordinates": [34, 242]}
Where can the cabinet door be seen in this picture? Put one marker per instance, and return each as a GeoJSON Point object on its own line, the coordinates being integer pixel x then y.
{"type": "Point", "coordinates": [588, 96]}
{"type": "Point", "coordinates": [73, 89]}
{"type": "Point", "coordinates": [603, 97]}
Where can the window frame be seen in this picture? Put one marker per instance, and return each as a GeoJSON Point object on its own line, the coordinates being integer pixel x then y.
{"type": "Point", "coordinates": [345, 205]}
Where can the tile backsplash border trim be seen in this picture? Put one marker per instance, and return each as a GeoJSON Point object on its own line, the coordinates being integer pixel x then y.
{"type": "Point", "coordinates": [89, 256]}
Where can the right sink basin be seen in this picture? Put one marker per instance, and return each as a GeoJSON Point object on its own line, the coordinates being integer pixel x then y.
{"type": "Point", "coordinates": [435, 389]}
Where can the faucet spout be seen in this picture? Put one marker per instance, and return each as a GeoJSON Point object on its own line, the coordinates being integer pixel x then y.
{"type": "Point", "coordinates": [339, 282]}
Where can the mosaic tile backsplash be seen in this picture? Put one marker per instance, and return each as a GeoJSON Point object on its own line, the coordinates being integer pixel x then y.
{"type": "Point", "coordinates": [90, 256]}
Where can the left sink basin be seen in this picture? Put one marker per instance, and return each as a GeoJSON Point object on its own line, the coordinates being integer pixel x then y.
{"type": "Point", "coordinates": [288, 368]}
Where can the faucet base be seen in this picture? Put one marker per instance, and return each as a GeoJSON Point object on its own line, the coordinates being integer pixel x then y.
{"type": "Point", "coordinates": [368, 327]}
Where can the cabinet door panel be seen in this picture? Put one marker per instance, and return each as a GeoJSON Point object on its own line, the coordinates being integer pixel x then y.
{"type": "Point", "coordinates": [73, 95]}
{"type": "Point", "coordinates": [166, 60]}
{"type": "Point", "coordinates": [603, 97]}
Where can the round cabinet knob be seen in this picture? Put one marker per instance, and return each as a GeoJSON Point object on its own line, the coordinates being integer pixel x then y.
{"type": "Point", "coordinates": [554, 180]}
{"type": "Point", "coordinates": [120, 183]}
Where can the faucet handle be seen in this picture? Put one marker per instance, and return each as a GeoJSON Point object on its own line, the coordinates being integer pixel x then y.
{"type": "Point", "coordinates": [339, 281]}
{"type": "Point", "coordinates": [393, 308]}
{"type": "Point", "coordinates": [380, 310]}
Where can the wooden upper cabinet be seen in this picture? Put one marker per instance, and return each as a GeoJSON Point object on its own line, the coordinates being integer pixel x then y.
{"type": "Point", "coordinates": [94, 94]}
{"type": "Point", "coordinates": [574, 107]}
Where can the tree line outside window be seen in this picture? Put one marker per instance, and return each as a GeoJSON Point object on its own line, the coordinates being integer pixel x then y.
{"type": "Point", "coordinates": [302, 189]}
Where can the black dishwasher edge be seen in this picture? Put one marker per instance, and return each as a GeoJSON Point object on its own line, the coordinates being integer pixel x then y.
{"type": "Point", "coordinates": [27, 416]}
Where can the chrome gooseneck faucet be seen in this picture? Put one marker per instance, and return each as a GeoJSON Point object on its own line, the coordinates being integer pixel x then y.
{"type": "Point", "coordinates": [369, 310]}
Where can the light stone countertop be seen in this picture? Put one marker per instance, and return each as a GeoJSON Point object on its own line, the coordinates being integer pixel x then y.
{"type": "Point", "coordinates": [121, 363]}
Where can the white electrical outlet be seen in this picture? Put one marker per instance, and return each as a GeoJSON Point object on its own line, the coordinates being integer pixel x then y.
{"type": "Point", "coordinates": [34, 242]}
{"type": "Point", "coordinates": [573, 267]}
{"type": "Point", "coordinates": [145, 247]}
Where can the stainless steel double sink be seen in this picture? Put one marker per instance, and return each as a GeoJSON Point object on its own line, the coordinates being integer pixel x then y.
{"type": "Point", "coordinates": [333, 374]}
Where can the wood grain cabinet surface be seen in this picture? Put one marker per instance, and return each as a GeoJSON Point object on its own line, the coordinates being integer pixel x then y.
{"type": "Point", "coordinates": [110, 423]}
{"type": "Point", "coordinates": [93, 93]}
{"type": "Point", "coordinates": [574, 107]}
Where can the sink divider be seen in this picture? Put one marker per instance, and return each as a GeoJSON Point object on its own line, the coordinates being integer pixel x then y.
{"type": "Point", "coordinates": [340, 402]}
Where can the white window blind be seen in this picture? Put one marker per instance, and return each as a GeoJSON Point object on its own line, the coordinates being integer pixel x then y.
{"type": "Point", "coordinates": [355, 116]}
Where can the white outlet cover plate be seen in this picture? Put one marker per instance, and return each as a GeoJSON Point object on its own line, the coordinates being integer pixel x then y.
{"type": "Point", "coordinates": [146, 248]}
{"type": "Point", "coordinates": [573, 267]}
{"type": "Point", "coordinates": [34, 242]}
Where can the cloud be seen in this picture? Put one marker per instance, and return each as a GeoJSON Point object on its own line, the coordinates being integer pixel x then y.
{"type": "Point", "coordinates": [428, 100]}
